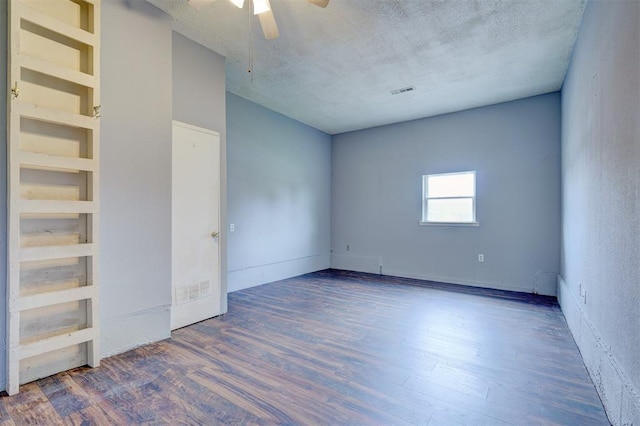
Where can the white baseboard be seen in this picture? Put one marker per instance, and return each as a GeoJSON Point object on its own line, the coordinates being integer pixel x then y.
{"type": "Point", "coordinates": [356, 263]}
{"type": "Point", "coordinates": [126, 332]}
{"type": "Point", "coordinates": [373, 265]}
{"type": "Point", "coordinates": [619, 397]}
{"type": "Point", "coordinates": [263, 274]}
{"type": "Point", "coordinates": [450, 280]}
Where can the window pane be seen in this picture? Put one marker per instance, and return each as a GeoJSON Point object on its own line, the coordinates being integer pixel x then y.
{"type": "Point", "coordinates": [450, 210]}
{"type": "Point", "coordinates": [453, 185]}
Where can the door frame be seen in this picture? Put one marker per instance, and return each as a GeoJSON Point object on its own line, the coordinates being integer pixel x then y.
{"type": "Point", "coordinates": [221, 222]}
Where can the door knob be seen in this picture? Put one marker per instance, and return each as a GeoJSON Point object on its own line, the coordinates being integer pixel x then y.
{"type": "Point", "coordinates": [215, 234]}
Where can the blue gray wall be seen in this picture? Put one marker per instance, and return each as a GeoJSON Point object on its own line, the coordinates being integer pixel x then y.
{"type": "Point", "coordinates": [150, 75]}
{"type": "Point", "coordinates": [279, 195]}
{"type": "Point", "coordinates": [599, 288]}
{"type": "Point", "coordinates": [135, 249]}
{"type": "Point", "coordinates": [3, 187]}
{"type": "Point", "coordinates": [199, 99]}
{"type": "Point", "coordinates": [198, 85]}
{"type": "Point", "coordinates": [376, 197]}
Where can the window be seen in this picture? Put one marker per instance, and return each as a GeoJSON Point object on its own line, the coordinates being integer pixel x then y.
{"type": "Point", "coordinates": [449, 198]}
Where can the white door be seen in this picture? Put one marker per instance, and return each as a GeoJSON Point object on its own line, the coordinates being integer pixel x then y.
{"type": "Point", "coordinates": [195, 211]}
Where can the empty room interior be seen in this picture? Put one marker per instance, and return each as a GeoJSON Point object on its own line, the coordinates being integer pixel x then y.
{"type": "Point", "coordinates": [408, 212]}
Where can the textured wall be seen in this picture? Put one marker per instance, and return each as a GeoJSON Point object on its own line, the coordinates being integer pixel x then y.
{"type": "Point", "coordinates": [279, 195]}
{"type": "Point", "coordinates": [198, 85]}
{"type": "Point", "coordinates": [377, 188]}
{"type": "Point", "coordinates": [600, 285]}
{"type": "Point", "coordinates": [199, 99]}
{"type": "Point", "coordinates": [135, 274]}
{"type": "Point", "coordinates": [3, 186]}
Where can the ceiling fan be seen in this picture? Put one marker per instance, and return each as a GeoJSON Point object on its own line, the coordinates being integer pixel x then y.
{"type": "Point", "coordinates": [262, 8]}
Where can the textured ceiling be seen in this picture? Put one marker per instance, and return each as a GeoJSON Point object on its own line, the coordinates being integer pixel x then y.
{"type": "Point", "coordinates": [334, 68]}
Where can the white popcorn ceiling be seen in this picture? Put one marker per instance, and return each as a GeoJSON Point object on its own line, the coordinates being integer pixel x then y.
{"type": "Point", "coordinates": [334, 68]}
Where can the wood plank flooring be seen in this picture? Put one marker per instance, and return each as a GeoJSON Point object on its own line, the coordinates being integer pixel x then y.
{"type": "Point", "coordinates": [338, 348]}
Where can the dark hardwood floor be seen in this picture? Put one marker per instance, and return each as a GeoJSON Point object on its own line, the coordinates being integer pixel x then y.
{"type": "Point", "coordinates": [338, 348]}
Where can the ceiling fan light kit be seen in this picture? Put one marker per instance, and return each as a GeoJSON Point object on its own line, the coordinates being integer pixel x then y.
{"type": "Point", "coordinates": [268, 23]}
{"type": "Point", "coordinates": [262, 8]}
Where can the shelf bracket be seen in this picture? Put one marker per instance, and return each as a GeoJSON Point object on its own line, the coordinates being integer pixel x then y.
{"type": "Point", "coordinates": [15, 91]}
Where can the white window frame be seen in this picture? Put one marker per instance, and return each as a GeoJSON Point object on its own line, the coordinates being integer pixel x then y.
{"type": "Point", "coordinates": [426, 198]}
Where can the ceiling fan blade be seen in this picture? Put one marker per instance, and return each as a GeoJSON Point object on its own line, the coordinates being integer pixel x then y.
{"type": "Point", "coordinates": [199, 3]}
{"type": "Point", "coordinates": [319, 3]}
{"type": "Point", "coordinates": [268, 23]}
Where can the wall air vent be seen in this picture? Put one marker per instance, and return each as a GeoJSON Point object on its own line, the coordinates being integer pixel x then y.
{"type": "Point", "coordinates": [190, 292]}
{"type": "Point", "coordinates": [403, 90]}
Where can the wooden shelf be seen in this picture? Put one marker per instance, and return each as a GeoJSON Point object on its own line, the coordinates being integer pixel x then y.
{"type": "Point", "coordinates": [55, 206]}
{"type": "Point", "coordinates": [58, 71]}
{"type": "Point", "coordinates": [56, 116]}
{"type": "Point", "coordinates": [30, 254]}
{"type": "Point", "coordinates": [47, 161]}
{"type": "Point", "coordinates": [57, 26]}
{"type": "Point", "coordinates": [54, 343]}
{"type": "Point", "coordinates": [56, 297]}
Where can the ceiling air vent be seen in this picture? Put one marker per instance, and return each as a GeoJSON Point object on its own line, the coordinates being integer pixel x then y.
{"type": "Point", "coordinates": [403, 90]}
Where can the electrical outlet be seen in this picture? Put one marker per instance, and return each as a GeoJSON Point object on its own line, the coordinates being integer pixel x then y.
{"type": "Point", "coordinates": [232, 227]}
{"type": "Point", "coordinates": [481, 258]}
{"type": "Point", "coordinates": [348, 248]}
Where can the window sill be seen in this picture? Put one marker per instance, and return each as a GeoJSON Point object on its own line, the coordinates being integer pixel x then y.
{"type": "Point", "coordinates": [450, 224]}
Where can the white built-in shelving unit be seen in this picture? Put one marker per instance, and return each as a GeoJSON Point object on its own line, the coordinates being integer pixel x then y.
{"type": "Point", "coordinates": [53, 187]}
